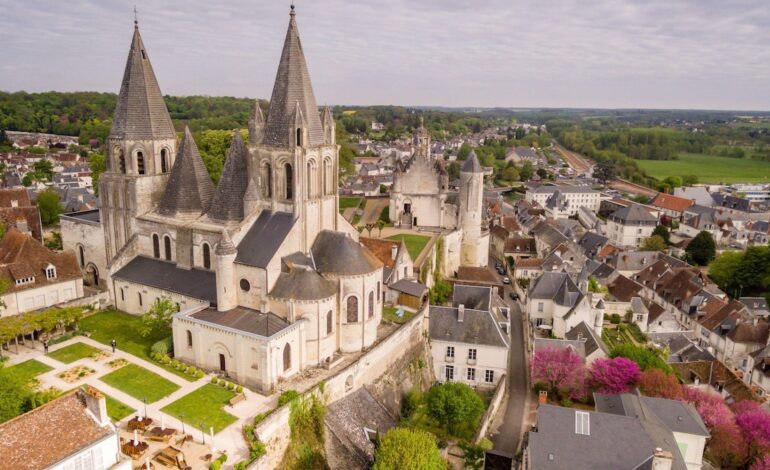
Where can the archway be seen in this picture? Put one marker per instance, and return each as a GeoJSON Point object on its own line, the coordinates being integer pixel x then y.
{"type": "Point", "coordinates": [92, 276]}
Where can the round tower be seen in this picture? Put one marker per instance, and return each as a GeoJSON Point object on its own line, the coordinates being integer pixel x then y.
{"type": "Point", "coordinates": [471, 209]}
{"type": "Point", "coordinates": [599, 318]}
{"type": "Point", "coordinates": [227, 296]}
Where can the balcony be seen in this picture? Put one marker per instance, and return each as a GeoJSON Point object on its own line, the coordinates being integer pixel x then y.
{"type": "Point", "coordinates": [471, 362]}
{"type": "Point", "coordinates": [449, 358]}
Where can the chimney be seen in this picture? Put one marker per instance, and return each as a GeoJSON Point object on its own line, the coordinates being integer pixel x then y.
{"type": "Point", "coordinates": [542, 398]}
{"type": "Point", "coordinates": [393, 251]}
{"type": "Point", "coordinates": [96, 404]}
{"type": "Point", "coordinates": [662, 459]}
{"type": "Point", "coordinates": [460, 313]}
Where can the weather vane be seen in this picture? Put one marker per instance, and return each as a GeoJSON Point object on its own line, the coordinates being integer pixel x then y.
{"type": "Point", "coordinates": [136, 19]}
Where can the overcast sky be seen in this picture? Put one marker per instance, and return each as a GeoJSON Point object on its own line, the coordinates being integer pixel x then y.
{"type": "Point", "coordinates": [600, 53]}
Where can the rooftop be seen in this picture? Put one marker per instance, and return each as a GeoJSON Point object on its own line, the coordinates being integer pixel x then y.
{"type": "Point", "coordinates": [244, 319]}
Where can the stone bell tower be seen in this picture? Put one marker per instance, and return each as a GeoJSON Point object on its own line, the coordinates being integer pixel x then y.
{"type": "Point", "coordinates": [141, 148]}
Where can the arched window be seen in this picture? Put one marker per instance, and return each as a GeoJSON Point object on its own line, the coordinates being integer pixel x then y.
{"type": "Point", "coordinates": [122, 162]}
{"type": "Point", "coordinates": [269, 180]}
{"type": "Point", "coordinates": [378, 289]}
{"type": "Point", "coordinates": [352, 311]}
{"type": "Point", "coordinates": [164, 161]}
{"type": "Point", "coordinates": [122, 294]}
{"type": "Point", "coordinates": [155, 245]}
{"type": "Point", "coordinates": [82, 256]}
{"type": "Point", "coordinates": [167, 247]}
{"type": "Point", "coordinates": [329, 323]}
{"type": "Point", "coordinates": [309, 190]}
{"type": "Point", "coordinates": [140, 298]}
{"type": "Point", "coordinates": [289, 180]}
{"type": "Point", "coordinates": [299, 137]}
{"type": "Point", "coordinates": [371, 304]}
{"type": "Point", "coordinates": [139, 163]}
{"type": "Point", "coordinates": [325, 177]}
{"type": "Point", "coordinates": [189, 339]}
{"type": "Point", "coordinates": [206, 256]}
{"type": "Point", "coordinates": [286, 357]}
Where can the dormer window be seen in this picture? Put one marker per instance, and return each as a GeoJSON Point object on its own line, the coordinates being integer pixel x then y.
{"type": "Point", "coordinates": [25, 280]}
{"type": "Point", "coordinates": [50, 272]}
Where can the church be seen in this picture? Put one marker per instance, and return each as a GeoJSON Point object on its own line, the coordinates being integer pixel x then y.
{"type": "Point", "coordinates": [420, 197]}
{"type": "Point", "coordinates": [268, 277]}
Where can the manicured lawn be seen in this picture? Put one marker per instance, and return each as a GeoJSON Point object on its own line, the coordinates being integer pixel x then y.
{"type": "Point", "coordinates": [117, 410]}
{"type": "Point", "coordinates": [414, 243]}
{"type": "Point", "coordinates": [140, 383]}
{"type": "Point", "coordinates": [73, 352]}
{"type": "Point", "coordinates": [349, 201]}
{"type": "Point", "coordinates": [30, 369]}
{"type": "Point", "coordinates": [204, 405]}
{"type": "Point", "coordinates": [709, 168]}
{"type": "Point", "coordinates": [389, 313]}
{"type": "Point", "coordinates": [124, 328]}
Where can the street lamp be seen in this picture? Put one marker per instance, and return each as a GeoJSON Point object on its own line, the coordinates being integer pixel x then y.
{"type": "Point", "coordinates": [181, 418]}
{"type": "Point", "coordinates": [145, 407]}
{"type": "Point", "coordinates": [203, 433]}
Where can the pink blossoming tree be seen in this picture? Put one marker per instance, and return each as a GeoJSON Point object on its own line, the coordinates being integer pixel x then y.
{"type": "Point", "coordinates": [613, 376]}
{"type": "Point", "coordinates": [754, 422]}
{"type": "Point", "coordinates": [560, 370]}
{"type": "Point", "coordinates": [710, 406]}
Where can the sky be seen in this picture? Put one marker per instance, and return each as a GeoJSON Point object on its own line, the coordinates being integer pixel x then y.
{"type": "Point", "coordinates": [703, 54]}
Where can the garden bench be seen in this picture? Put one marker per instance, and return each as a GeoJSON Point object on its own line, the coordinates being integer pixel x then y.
{"type": "Point", "coordinates": [237, 399]}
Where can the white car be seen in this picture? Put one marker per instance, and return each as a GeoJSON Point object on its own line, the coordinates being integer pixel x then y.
{"type": "Point", "coordinates": [506, 280]}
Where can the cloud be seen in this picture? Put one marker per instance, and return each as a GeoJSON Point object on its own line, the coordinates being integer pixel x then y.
{"type": "Point", "coordinates": [522, 53]}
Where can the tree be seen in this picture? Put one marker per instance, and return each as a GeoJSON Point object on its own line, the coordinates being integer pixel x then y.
{"type": "Point", "coordinates": [453, 171]}
{"type": "Point", "coordinates": [98, 165]}
{"type": "Point", "coordinates": [701, 249]}
{"type": "Point", "coordinates": [380, 225]}
{"type": "Point", "coordinates": [408, 449]}
{"type": "Point", "coordinates": [26, 181]}
{"type": "Point", "coordinates": [604, 171]}
{"type": "Point", "coordinates": [727, 447]}
{"type": "Point", "coordinates": [663, 232]}
{"type": "Point", "coordinates": [689, 180]}
{"type": "Point", "coordinates": [613, 376]}
{"type": "Point", "coordinates": [723, 270]}
{"type": "Point", "coordinates": [542, 173]}
{"type": "Point", "coordinates": [49, 206]}
{"type": "Point", "coordinates": [511, 174]}
{"type": "Point", "coordinates": [710, 406]}
{"type": "Point", "coordinates": [14, 394]}
{"type": "Point", "coordinates": [762, 463]}
{"type": "Point", "coordinates": [526, 172]}
{"type": "Point", "coordinates": [158, 318]}
{"type": "Point", "coordinates": [645, 357]}
{"type": "Point", "coordinates": [465, 150]}
{"type": "Point", "coordinates": [654, 243]}
{"type": "Point", "coordinates": [43, 170]}
{"type": "Point", "coordinates": [673, 181]}
{"type": "Point", "coordinates": [754, 422]}
{"type": "Point", "coordinates": [454, 405]}
{"type": "Point", "coordinates": [656, 383]}
{"type": "Point", "coordinates": [560, 370]}
{"type": "Point", "coordinates": [5, 142]}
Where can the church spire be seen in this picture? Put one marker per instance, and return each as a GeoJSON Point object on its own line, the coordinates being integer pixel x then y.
{"type": "Point", "coordinates": [292, 89]}
{"type": "Point", "coordinates": [141, 113]}
{"type": "Point", "coordinates": [227, 205]}
{"type": "Point", "coordinates": [189, 190]}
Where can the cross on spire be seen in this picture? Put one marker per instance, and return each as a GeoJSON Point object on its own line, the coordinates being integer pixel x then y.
{"type": "Point", "coordinates": [292, 13]}
{"type": "Point", "coordinates": [136, 19]}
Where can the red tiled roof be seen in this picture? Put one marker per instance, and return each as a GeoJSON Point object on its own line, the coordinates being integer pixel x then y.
{"type": "Point", "coordinates": [382, 249]}
{"type": "Point", "coordinates": [22, 256]}
{"type": "Point", "coordinates": [672, 203]}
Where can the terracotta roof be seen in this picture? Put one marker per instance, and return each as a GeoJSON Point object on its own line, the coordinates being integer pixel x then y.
{"type": "Point", "coordinates": [21, 256]}
{"type": "Point", "coordinates": [654, 311]}
{"type": "Point", "coordinates": [382, 249]}
{"type": "Point", "coordinates": [520, 245]}
{"type": "Point", "coordinates": [748, 332]}
{"type": "Point", "coordinates": [607, 250]}
{"type": "Point", "coordinates": [529, 263]}
{"type": "Point", "coordinates": [624, 289]}
{"type": "Point", "coordinates": [510, 224]}
{"type": "Point", "coordinates": [484, 275]}
{"type": "Point", "coordinates": [16, 216]}
{"type": "Point", "coordinates": [672, 203]}
{"type": "Point", "coordinates": [48, 434]}
{"type": "Point", "coordinates": [20, 195]}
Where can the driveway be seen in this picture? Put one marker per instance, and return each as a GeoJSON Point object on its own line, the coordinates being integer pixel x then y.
{"type": "Point", "coordinates": [510, 418]}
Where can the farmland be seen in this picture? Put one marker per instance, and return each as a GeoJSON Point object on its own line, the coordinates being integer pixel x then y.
{"type": "Point", "coordinates": [709, 169]}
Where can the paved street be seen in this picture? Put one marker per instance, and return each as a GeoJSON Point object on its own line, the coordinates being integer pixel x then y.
{"type": "Point", "coordinates": [510, 417]}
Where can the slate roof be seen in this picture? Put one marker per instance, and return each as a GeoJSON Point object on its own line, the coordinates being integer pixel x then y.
{"type": "Point", "coordinates": [624, 289]}
{"type": "Point", "coordinates": [413, 288]}
{"type": "Point", "coordinates": [472, 164]}
{"type": "Point", "coordinates": [301, 283]}
{"type": "Point", "coordinates": [550, 189]}
{"type": "Point", "coordinates": [292, 90]}
{"type": "Point", "coordinates": [579, 346]}
{"type": "Point", "coordinates": [592, 242]}
{"type": "Point", "coordinates": [337, 253]}
{"type": "Point", "coordinates": [264, 238]}
{"type": "Point", "coordinates": [140, 113]}
{"type": "Point", "coordinates": [227, 205]}
{"type": "Point", "coordinates": [473, 297]}
{"type": "Point", "coordinates": [633, 214]}
{"type": "Point", "coordinates": [592, 342]}
{"type": "Point", "coordinates": [196, 283]}
{"type": "Point", "coordinates": [48, 434]}
{"type": "Point", "coordinates": [91, 216]}
{"type": "Point", "coordinates": [556, 286]}
{"type": "Point", "coordinates": [244, 319]}
{"type": "Point", "coordinates": [477, 327]}
{"type": "Point", "coordinates": [189, 189]}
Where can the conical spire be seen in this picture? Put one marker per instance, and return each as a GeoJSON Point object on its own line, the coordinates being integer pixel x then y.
{"type": "Point", "coordinates": [141, 113]}
{"type": "Point", "coordinates": [472, 164]}
{"type": "Point", "coordinates": [251, 197]}
{"type": "Point", "coordinates": [329, 126]}
{"type": "Point", "coordinates": [256, 125]}
{"type": "Point", "coordinates": [225, 246]}
{"type": "Point", "coordinates": [227, 205]}
{"type": "Point", "coordinates": [292, 87]}
{"type": "Point", "coordinates": [189, 189]}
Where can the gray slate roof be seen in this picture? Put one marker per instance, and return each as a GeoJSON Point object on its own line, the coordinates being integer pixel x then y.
{"type": "Point", "coordinates": [337, 253]}
{"type": "Point", "coordinates": [474, 297]}
{"type": "Point", "coordinates": [195, 283]}
{"type": "Point", "coordinates": [189, 189]}
{"type": "Point", "coordinates": [633, 214]}
{"type": "Point", "coordinates": [264, 238]}
{"type": "Point", "coordinates": [292, 88]}
{"type": "Point", "coordinates": [413, 288]}
{"type": "Point", "coordinates": [140, 113]}
{"type": "Point", "coordinates": [227, 205]}
{"type": "Point", "coordinates": [556, 286]}
{"type": "Point", "coordinates": [244, 319]}
{"type": "Point", "coordinates": [472, 164]}
{"type": "Point", "coordinates": [584, 333]}
{"type": "Point", "coordinates": [477, 327]}
{"type": "Point", "coordinates": [302, 284]}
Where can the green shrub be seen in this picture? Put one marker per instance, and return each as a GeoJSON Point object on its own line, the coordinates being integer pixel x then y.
{"type": "Point", "coordinates": [410, 403]}
{"type": "Point", "coordinates": [260, 417]}
{"type": "Point", "coordinates": [199, 373]}
{"type": "Point", "coordinates": [257, 449]}
{"type": "Point", "coordinates": [239, 389]}
{"type": "Point", "coordinates": [164, 346]}
{"type": "Point", "coordinates": [231, 386]}
{"type": "Point", "coordinates": [165, 360]}
{"type": "Point", "coordinates": [615, 318]}
{"type": "Point", "coordinates": [175, 364]}
{"type": "Point", "coordinates": [182, 367]}
{"type": "Point", "coordinates": [192, 370]}
{"type": "Point", "coordinates": [214, 380]}
{"type": "Point", "coordinates": [221, 382]}
{"type": "Point", "coordinates": [566, 402]}
{"type": "Point", "coordinates": [287, 396]}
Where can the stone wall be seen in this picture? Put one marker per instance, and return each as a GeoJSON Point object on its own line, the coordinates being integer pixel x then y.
{"type": "Point", "coordinates": [489, 414]}
{"type": "Point", "coordinates": [380, 369]}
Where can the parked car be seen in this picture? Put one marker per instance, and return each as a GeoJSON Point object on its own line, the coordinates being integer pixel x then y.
{"type": "Point", "coordinates": [506, 280]}
{"type": "Point", "coordinates": [501, 270]}
{"type": "Point", "coordinates": [514, 296]}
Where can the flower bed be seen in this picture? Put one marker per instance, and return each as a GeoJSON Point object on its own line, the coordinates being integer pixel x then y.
{"type": "Point", "coordinates": [75, 374]}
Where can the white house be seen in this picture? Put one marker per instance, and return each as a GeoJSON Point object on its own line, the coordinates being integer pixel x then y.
{"type": "Point", "coordinates": [556, 303]}
{"type": "Point", "coordinates": [629, 226]}
{"type": "Point", "coordinates": [566, 200]}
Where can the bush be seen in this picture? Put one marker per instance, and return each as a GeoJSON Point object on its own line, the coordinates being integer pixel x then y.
{"type": "Point", "coordinates": [260, 417]}
{"type": "Point", "coordinates": [175, 364]}
{"type": "Point", "coordinates": [199, 373]}
{"type": "Point", "coordinates": [214, 380]}
{"type": "Point", "coordinates": [182, 367]}
{"type": "Point", "coordinates": [164, 346]}
{"type": "Point", "coordinates": [231, 386]}
{"type": "Point", "coordinates": [221, 382]}
{"type": "Point", "coordinates": [455, 406]}
{"type": "Point", "coordinates": [566, 402]}
{"type": "Point", "coordinates": [615, 318]}
{"type": "Point", "coordinates": [406, 448]}
{"type": "Point", "coordinates": [287, 396]}
{"type": "Point", "coordinates": [192, 370]}
{"type": "Point", "coordinates": [410, 403]}
{"type": "Point", "coordinates": [166, 360]}
{"type": "Point", "coordinates": [239, 389]}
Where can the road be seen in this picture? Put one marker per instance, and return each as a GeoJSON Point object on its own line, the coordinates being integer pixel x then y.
{"type": "Point", "coordinates": [510, 418]}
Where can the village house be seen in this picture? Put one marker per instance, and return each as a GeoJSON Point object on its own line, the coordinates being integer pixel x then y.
{"type": "Point", "coordinates": [672, 206]}
{"type": "Point", "coordinates": [567, 200]}
{"type": "Point", "coordinates": [17, 210]}
{"type": "Point", "coordinates": [630, 226]}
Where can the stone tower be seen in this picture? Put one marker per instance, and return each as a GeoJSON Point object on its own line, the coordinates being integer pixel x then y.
{"type": "Point", "coordinates": [472, 253]}
{"type": "Point", "coordinates": [294, 153]}
{"type": "Point", "coordinates": [141, 148]}
{"type": "Point", "coordinates": [421, 140]}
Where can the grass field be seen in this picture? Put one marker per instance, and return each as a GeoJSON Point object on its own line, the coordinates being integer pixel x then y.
{"type": "Point", "coordinates": [414, 243]}
{"type": "Point", "coordinates": [709, 169]}
{"type": "Point", "coordinates": [124, 328]}
{"type": "Point", "coordinates": [73, 352]}
{"type": "Point", "coordinates": [140, 383]}
{"type": "Point", "coordinates": [30, 369]}
{"type": "Point", "coordinates": [204, 405]}
{"type": "Point", "coordinates": [389, 313]}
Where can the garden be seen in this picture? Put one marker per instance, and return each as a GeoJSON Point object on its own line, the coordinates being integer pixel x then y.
{"type": "Point", "coordinates": [204, 405]}
{"type": "Point", "coordinates": [74, 352]}
{"type": "Point", "coordinates": [414, 243]}
{"type": "Point", "coordinates": [140, 383]}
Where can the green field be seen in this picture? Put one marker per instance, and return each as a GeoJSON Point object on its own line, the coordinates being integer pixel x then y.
{"type": "Point", "coordinates": [204, 406]}
{"type": "Point", "coordinates": [709, 169]}
{"type": "Point", "coordinates": [29, 369]}
{"type": "Point", "coordinates": [140, 383]}
{"type": "Point", "coordinates": [73, 352]}
{"type": "Point", "coordinates": [349, 201]}
{"type": "Point", "coordinates": [414, 243]}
